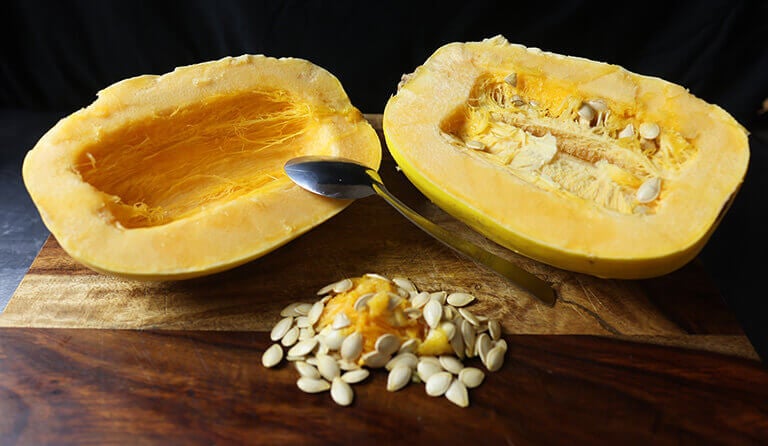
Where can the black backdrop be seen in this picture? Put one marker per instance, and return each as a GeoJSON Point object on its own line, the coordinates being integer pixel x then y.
{"type": "Point", "coordinates": [56, 55]}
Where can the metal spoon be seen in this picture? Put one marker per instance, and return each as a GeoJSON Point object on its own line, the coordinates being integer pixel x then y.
{"type": "Point", "coordinates": [343, 178]}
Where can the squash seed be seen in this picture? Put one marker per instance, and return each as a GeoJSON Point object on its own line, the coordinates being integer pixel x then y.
{"type": "Point", "coordinates": [340, 321]}
{"type": "Point", "coordinates": [341, 392]}
{"type": "Point", "coordinates": [494, 359]}
{"type": "Point", "coordinates": [449, 312]}
{"type": "Point", "coordinates": [511, 79]}
{"type": "Point", "coordinates": [586, 112]}
{"type": "Point", "coordinates": [412, 313]}
{"type": "Point", "coordinates": [306, 370]}
{"type": "Point", "coordinates": [469, 316]}
{"type": "Point", "coordinates": [272, 356]}
{"type": "Point", "coordinates": [405, 284]}
{"type": "Point", "coordinates": [460, 299]}
{"type": "Point", "coordinates": [334, 339]}
{"type": "Point", "coordinates": [394, 301]}
{"type": "Point", "coordinates": [475, 145]}
{"type": "Point", "coordinates": [438, 383]}
{"type": "Point", "coordinates": [469, 334]}
{"type": "Point", "coordinates": [420, 299]}
{"type": "Point", "coordinates": [449, 329]}
{"type": "Point", "coordinates": [328, 367]}
{"type": "Point", "coordinates": [303, 322]}
{"type": "Point", "coordinates": [306, 333]}
{"type": "Point", "coordinates": [362, 301]}
{"type": "Point", "coordinates": [281, 328]}
{"type": "Point", "coordinates": [375, 359]}
{"type": "Point", "coordinates": [501, 343]}
{"type": "Point", "coordinates": [451, 364]}
{"type": "Point", "coordinates": [407, 359]}
{"type": "Point", "coordinates": [649, 130]}
{"type": "Point", "coordinates": [355, 376]}
{"type": "Point", "coordinates": [482, 345]}
{"type": "Point", "coordinates": [303, 348]}
{"type": "Point", "coordinates": [376, 276]}
{"type": "Point", "coordinates": [312, 385]}
{"type": "Point", "coordinates": [347, 365]}
{"type": "Point", "coordinates": [494, 329]}
{"type": "Point", "coordinates": [649, 190]}
{"type": "Point", "coordinates": [627, 132]}
{"type": "Point", "coordinates": [352, 346]}
{"type": "Point", "coordinates": [457, 394]}
{"type": "Point", "coordinates": [409, 346]}
{"type": "Point", "coordinates": [399, 377]}
{"type": "Point", "coordinates": [289, 310]}
{"type": "Point", "coordinates": [471, 377]}
{"type": "Point", "coordinates": [426, 369]}
{"type": "Point", "coordinates": [387, 344]}
{"type": "Point", "coordinates": [291, 337]}
{"type": "Point", "coordinates": [439, 296]}
{"type": "Point", "coordinates": [457, 344]}
{"type": "Point", "coordinates": [315, 312]}
{"type": "Point", "coordinates": [433, 312]}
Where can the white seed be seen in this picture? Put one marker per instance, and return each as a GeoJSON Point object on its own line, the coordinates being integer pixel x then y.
{"type": "Point", "coordinates": [494, 359]}
{"type": "Point", "coordinates": [469, 316]}
{"type": "Point", "coordinates": [471, 377]}
{"type": "Point", "coordinates": [355, 376]}
{"type": "Point", "coordinates": [627, 132]}
{"type": "Point", "coordinates": [517, 101]}
{"type": "Point", "coordinates": [346, 365]}
{"type": "Point", "coordinates": [412, 313]}
{"type": "Point", "coordinates": [315, 312]}
{"type": "Point", "coordinates": [394, 301]}
{"type": "Point", "coordinates": [272, 356]}
{"type": "Point", "coordinates": [312, 361]}
{"type": "Point", "coordinates": [449, 312]}
{"type": "Point", "coordinates": [457, 394]}
{"type": "Point", "coordinates": [501, 343]}
{"type": "Point", "coordinates": [303, 348]}
{"type": "Point", "coordinates": [598, 105]}
{"type": "Point", "coordinates": [649, 130]}
{"type": "Point", "coordinates": [387, 344]}
{"type": "Point", "coordinates": [586, 112]}
{"type": "Point", "coordinates": [303, 308]}
{"type": "Point", "coordinates": [433, 312]}
{"type": "Point", "coordinates": [340, 321]}
{"type": "Point", "coordinates": [475, 145]}
{"type": "Point", "coordinates": [303, 322]}
{"type": "Point", "coordinates": [406, 359]}
{"type": "Point", "coordinates": [312, 385]}
{"type": "Point", "coordinates": [306, 370]}
{"type": "Point", "coordinates": [375, 359]}
{"type": "Point", "coordinates": [405, 284]}
{"type": "Point", "coordinates": [457, 344]}
{"type": "Point", "coordinates": [511, 79]}
{"type": "Point", "coordinates": [334, 339]}
{"type": "Point", "coordinates": [376, 276]}
{"type": "Point", "coordinates": [409, 346]}
{"type": "Point", "coordinates": [469, 335]}
{"type": "Point", "coordinates": [649, 190]}
{"type": "Point", "coordinates": [289, 310]}
{"type": "Point", "coordinates": [306, 333]}
{"type": "Point", "coordinates": [449, 329]}
{"type": "Point", "coordinates": [281, 328]}
{"type": "Point", "coordinates": [399, 377]}
{"type": "Point", "coordinates": [291, 337]}
{"type": "Point", "coordinates": [439, 296]}
{"type": "Point", "coordinates": [494, 329]}
{"type": "Point", "coordinates": [460, 299]}
{"type": "Point", "coordinates": [420, 299]}
{"type": "Point", "coordinates": [482, 345]}
{"type": "Point", "coordinates": [322, 349]}
{"type": "Point", "coordinates": [481, 318]}
{"type": "Point", "coordinates": [328, 367]}
{"type": "Point", "coordinates": [451, 364]}
{"type": "Point", "coordinates": [352, 346]}
{"type": "Point", "coordinates": [341, 392]}
{"type": "Point", "coordinates": [438, 383]}
{"type": "Point", "coordinates": [362, 301]}
{"type": "Point", "coordinates": [426, 369]}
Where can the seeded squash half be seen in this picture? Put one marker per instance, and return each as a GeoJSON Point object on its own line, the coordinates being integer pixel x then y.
{"type": "Point", "coordinates": [181, 175]}
{"type": "Point", "coordinates": [578, 164]}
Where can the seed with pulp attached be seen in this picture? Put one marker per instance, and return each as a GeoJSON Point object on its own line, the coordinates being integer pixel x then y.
{"type": "Point", "coordinates": [627, 132]}
{"type": "Point", "coordinates": [649, 130]}
{"type": "Point", "coordinates": [586, 112]}
{"type": "Point", "coordinates": [341, 392]}
{"type": "Point", "coordinates": [438, 383]}
{"type": "Point", "coordinates": [328, 367]}
{"type": "Point", "coordinates": [312, 385]}
{"type": "Point", "coordinates": [355, 376]}
{"type": "Point", "coordinates": [352, 346]}
{"type": "Point", "coordinates": [511, 79]}
{"type": "Point", "coordinates": [340, 321]}
{"type": "Point", "coordinates": [272, 356]}
{"type": "Point", "coordinates": [471, 377]}
{"type": "Point", "coordinates": [433, 312]}
{"type": "Point", "coordinates": [281, 328]}
{"type": "Point", "coordinates": [475, 145]}
{"type": "Point", "coordinates": [457, 394]}
{"type": "Point", "coordinates": [399, 377]}
{"type": "Point", "coordinates": [362, 301]}
{"type": "Point", "coordinates": [306, 370]}
{"type": "Point", "coordinates": [649, 190]}
{"type": "Point", "coordinates": [460, 299]}
{"type": "Point", "coordinates": [387, 344]}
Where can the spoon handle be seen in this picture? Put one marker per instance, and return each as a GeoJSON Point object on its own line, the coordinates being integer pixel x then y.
{"type": "Point", "coordinates": [501, 266]}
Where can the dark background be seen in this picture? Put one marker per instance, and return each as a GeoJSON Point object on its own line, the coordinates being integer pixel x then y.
{"type": "Point", "coordinates": [57, 54]}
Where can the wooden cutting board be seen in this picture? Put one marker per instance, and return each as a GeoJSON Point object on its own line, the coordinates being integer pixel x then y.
{"type": "Point", "coordinates": [683, 308]}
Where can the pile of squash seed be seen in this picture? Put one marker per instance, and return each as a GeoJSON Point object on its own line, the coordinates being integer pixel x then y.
{"type": "Point", "coordinates": [328, 360]}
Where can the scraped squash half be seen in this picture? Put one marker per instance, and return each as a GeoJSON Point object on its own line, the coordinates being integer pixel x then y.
{"type": "Point", "coordinates": [579, 164]}
{"type": "Point", "coordinates": [180, 175]}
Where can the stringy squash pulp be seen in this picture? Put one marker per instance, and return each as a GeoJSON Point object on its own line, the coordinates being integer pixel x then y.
{"type": "Point", "coordinates": [579, 164]}
{"type": "Point", "coordinates": [180, 175]}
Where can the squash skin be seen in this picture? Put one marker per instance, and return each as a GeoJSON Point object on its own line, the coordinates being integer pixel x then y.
{"type": "Point", "coordinates": [216, 236]}
{"type": "Point", "coordinates": [593, 244]}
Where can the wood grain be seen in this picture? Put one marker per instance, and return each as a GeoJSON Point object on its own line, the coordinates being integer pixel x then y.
{"type": "Point", "coordinates": [66, 386]}
{"type": "Point", "coordinates": [372, 237]}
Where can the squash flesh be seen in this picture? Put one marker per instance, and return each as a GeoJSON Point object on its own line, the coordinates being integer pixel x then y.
{"type": "Point", "coordinates": [550, 187]}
